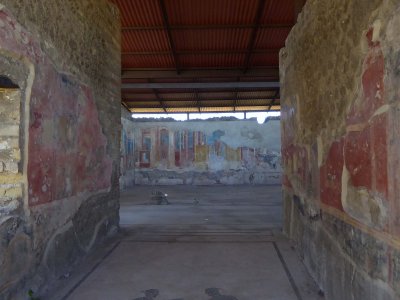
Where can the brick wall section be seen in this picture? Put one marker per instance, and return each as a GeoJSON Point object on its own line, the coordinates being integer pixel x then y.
{"type": "Point", "coordinates": [65, 57]}
{"type": "Point", "coordinates": [340, 133]}
{"type": "Point", "coordinates": [10, 153]}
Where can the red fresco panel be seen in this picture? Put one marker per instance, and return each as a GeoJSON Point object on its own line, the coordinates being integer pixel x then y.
{"type": "Point", "coordinates": [331, 176]}
{"type": "Point", "coordinates": [358, 158]}
{"type": "Point", "coordinates": [372, 84]}
{"type": "Point", "coordinates": [56, 143]}
{"type": "Point", "coordinates": [379, 144]}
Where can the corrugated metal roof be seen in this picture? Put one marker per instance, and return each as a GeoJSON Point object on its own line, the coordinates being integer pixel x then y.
{"type": "Point", "coordinates": [177, 96]}
{"type": "Point", "coordinates": [202, 35]}
{"type": "Point", "coordinates": [182, 109]}
{"type": "Point", "coordinates": [253, 102]}
{"type": "Point", "coordinates": [144, 104]}
{"type": "Point", "coordinates": [147, 110]}
{"type": "Point", "coordinates": [178, 104]}
{"type": "Point", "coordinates": [271, 38]}
{"type": "Point", "coordinates": [251, 108]}
{"type": "Point", "coordinates": [259, 59]}
{"type": "Point", "coordinates": [139, 12]}
{"type": "Point", "coordinates": [139, 97]}
{"type": "Point", "coordinates": [217, 95]}
{"type": "Point", "coordinates": [199, 12]}
{"type": "Point", "coordinates": [142, 41]}
{"type": "Point", "coordinates": [280, 11]}
{"type": "Point", "coordinates": [148, 61]}
{"type": "Point", "coordinates": [217, 109]}
{"type": "Point", "coordinates": [212, 39]}
{"type": "Point", "coordinates": [211, 60]}
{"type": "Point", "coordinates": [217, 103]}
{"type": "Point", "coordinates": [255, 94]}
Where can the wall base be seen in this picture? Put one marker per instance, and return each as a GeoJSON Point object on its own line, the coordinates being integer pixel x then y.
{"type": "Point", "coordinates": [347, 263]}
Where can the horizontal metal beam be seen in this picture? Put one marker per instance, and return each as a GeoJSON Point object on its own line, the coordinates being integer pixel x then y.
{"type": "Point", "coordinates": [205, 112]}
{"type": "Point", "coordinates": [207, 27]}
{"type": "Point", "coordinates": [127, 99]}
{"type": "Point", "coordinates": [147, 92]}
{"type": "Point", "coordinates": [219, 73]}
{"type": "Point", "coordinates": [195, 106]}
{"type": "Point", "coordinates": [201, 85]}
{"type": "Point", "coordinates": [202, 52]}
{"type": "Point", "coordinates": [201, 107]}
{"type": "Point", "coordinates": [205, 103]}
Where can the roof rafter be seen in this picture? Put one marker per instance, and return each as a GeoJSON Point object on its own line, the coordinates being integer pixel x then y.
{"type": "Point", "coordinates": [190, 73]}
{"type": "Point", "coordinates": [269, 99]}
{"type": "Point", "coordinates": [205, 52]}
{"type": "Point", "coordinates": [252, 41]}
{"type": "Point", "coordinates": [205, 110]}
{"type": "Point", "coordinates": [273, 100]}
{"type": "Point", "coordinates": [169, 34]}
{"type": "Point", "coordinates": [194, 106]}
{"type": "Point", "coordinates": [202, 85]}
{"type": "Point", "coordinates": [158, 98]}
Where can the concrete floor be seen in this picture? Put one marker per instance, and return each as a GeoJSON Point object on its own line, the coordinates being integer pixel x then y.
{"type": "Point", "coordinates": [218, 243]}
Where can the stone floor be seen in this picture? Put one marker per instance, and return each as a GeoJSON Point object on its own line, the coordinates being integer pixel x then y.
{"type": "Point", "coordinates": [216, 243]}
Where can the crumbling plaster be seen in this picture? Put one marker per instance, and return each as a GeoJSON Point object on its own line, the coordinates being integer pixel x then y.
{"type": "Point", "coordinates": [65, 58]}
{"type": "Point", "coordinates": [340, 145]}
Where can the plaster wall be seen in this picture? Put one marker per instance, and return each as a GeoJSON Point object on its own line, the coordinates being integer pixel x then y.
{"type": "Point", "coordinates": [203, 152]}
{"type": "Point", "coordinates": [340, 145]}
{"type": "Point", "coordinates": [59, 137]}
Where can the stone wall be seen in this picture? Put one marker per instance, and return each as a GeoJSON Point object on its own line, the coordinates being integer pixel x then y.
{"type": "Point", "coordinates": [340, 78]}
{"type": "Point", "coordinates": [203, 152]}
{"type": "Point", "coordinates": [59, 136]}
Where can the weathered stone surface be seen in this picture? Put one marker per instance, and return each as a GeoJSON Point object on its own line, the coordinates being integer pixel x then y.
{"type": "Point", "coordinates": [59, 136]}
{"type": "Point", "coordinates": [347, 105]}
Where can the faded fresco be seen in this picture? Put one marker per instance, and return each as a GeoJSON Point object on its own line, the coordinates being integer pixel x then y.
{"type": "Point", "coordinates": [199, 152]}
{"type": "Point", "coordinates": [127, 165]}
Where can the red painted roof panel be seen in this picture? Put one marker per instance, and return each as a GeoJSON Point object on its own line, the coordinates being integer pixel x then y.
{"type": "Point", "coordinates": [139, 12]}
{"type": "Point", "coordinates": [279, 12]}
{"type": "Point", "coordinates": [144, 41]}
{"type": "Point", "coordinates": [212, 60]}
{"type": "Point", "coordinates": [212, 39]}
{"type": "Point", "coordinates": [147, 61]}
{"type": "Point", "coordinates": [200, 12]}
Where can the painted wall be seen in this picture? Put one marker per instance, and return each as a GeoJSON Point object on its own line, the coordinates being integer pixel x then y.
{"type": "Point", "coordinates": [126, 179]}
{"type": "Point", "coordinates": [340, 145]}
{"type": "Point", "coordinates": [59, 145]}
{"type": "Point", "coordinates": [205, 152]}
